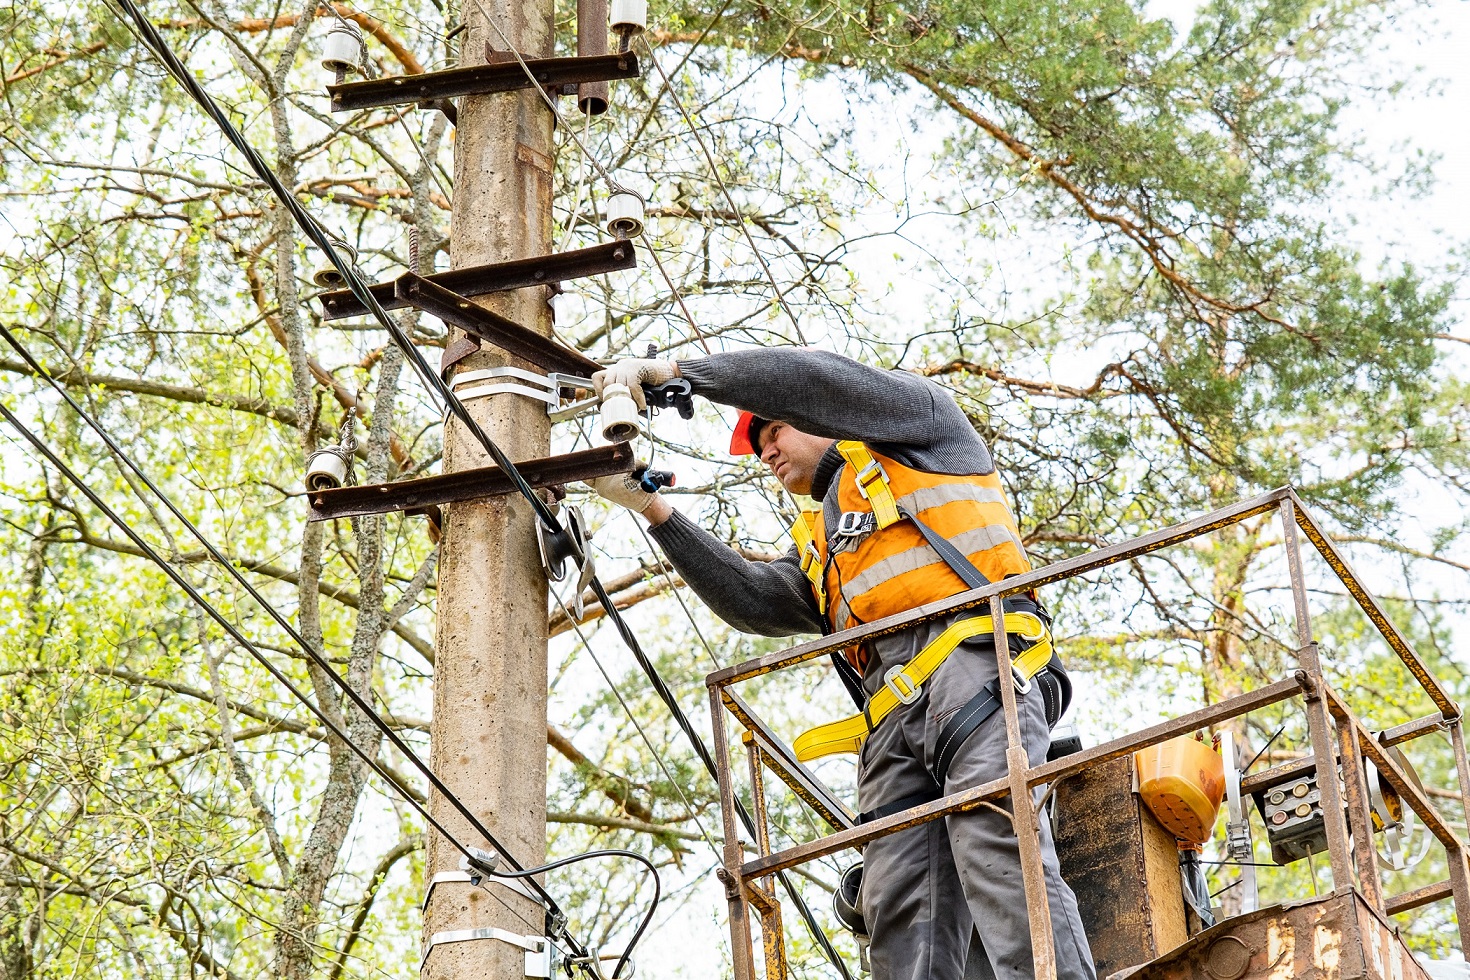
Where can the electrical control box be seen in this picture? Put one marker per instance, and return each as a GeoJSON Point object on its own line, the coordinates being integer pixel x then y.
{"type": "Point", "coordinates": [1292, 813]}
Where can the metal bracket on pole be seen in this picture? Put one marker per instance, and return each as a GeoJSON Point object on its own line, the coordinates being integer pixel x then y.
{"type": "Point", "coordinates": [540, 954]}
{"type": "Point", "coordinates": [431, 89]}
{"type": "Point", "coordinates": [484, 481]}
{"type": "Point", "coordinates": [498, 277]}
{"type": "Point", "coordinates": [473, 878]}
{"type": "Point", "coordinates": [487, 325]}
{"type": "Point", "coordinates": [542, 387]}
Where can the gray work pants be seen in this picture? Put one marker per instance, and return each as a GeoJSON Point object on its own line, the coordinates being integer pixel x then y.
{"type": "Point", "coordinates": [930, 890]}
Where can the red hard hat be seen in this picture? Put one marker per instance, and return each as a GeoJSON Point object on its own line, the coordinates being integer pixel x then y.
{"type": "Point", "coordinates": [741, 443]}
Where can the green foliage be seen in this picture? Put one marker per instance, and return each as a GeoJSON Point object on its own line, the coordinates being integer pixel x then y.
{"type": "Point", "coordinates": [1120, 245]}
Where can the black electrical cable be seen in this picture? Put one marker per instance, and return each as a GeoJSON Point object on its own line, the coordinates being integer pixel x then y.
{"type": "Point", "coordinates": [363, 294]}
{"type": "Point", "coordinates": [357, 699]}
{"type": "Point", "coordinates": [667, 696]}
{"type": "Point", "coordinates": [168, 569]}
{"type": "Point", "coordinates": [604, 853]}
{"type": "Point", "coordinates": [319, 237]}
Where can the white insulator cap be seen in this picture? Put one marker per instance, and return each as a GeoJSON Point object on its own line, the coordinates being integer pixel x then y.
{"type": "Point", "coordinates": [325, 470]}
{"type": "Point", "coordinates": [327, 275]}
{"type": "Point", "coordinates": [619, 420]}
{"type": "Point", "coordinates": [628, 17]}
{"type": "Point", "coordinates": [624, 214]}
{"type": "Point", "coordinates": [342, 50]}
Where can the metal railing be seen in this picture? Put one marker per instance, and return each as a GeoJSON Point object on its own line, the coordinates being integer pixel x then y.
{"type": "Point", "coordinates": [1335, 732]}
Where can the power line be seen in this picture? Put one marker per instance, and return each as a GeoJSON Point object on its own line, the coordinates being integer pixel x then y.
{"type": "Point", "coordinates": [362, 292]}
{"type": "Point", "coordinates": [209, 609]}
{"type": "Point", "coordinates": [357, 699]}
{"type": "Point", "coordinates": [714, 171]}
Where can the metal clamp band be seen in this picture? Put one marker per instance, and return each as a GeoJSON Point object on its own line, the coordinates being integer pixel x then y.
{"type": "Point", "coordinates": [539, 951]}
{"type": "Point", "coordinates": [478, 880]}
{"type": "Point", "coordinates": [542, 387]}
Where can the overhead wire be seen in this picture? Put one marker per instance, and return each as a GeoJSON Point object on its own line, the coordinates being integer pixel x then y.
{"type": "Point", "coordinates": [249, 646]}
{"type": "Point", "coordinates": [607, 178]}
{"type": "Point", "coordinates": [235, 634]}
{"type": "Point", "coordinates": [362, 292]}
{"type": "Point", "coordinates": [714, 171]}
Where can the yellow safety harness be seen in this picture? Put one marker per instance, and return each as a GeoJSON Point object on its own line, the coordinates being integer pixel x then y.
{"type": "Point", "coordinates": [902, 683]}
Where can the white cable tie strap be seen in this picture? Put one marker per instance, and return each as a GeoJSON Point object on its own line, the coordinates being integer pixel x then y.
{"type": "Point", "coordinates": [538, 948]}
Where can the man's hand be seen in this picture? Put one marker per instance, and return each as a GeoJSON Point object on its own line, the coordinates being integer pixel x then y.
{"type": "Point", "coordinates": [634, 373]}
{"type": "Point", "coordinates": [623, 489]}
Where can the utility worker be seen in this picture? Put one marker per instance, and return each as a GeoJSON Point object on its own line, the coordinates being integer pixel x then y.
{"type": "Point", "coordinates": [912, 511]}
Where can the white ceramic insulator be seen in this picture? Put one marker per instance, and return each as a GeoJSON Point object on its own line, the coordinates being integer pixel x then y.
{"type": "Point", "coordinates": [342, 50]}
{"type": "Point", "coordinates": [628, 17]}
{"type": "Point", "coordinates": [327, 275]}
{"type": "Point", "coordinates": [625, 215]}
{"type": "Point", "coordinates": [325, 470]}
{"type": "Point", "coordinates": [619, 420]}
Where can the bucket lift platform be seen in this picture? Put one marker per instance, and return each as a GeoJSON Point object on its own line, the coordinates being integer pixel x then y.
{"type": "Point", "coordinates": [1132, 902]}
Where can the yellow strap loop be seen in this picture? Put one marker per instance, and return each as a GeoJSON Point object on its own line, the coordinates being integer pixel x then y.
{"type": "Point", "coordinates": [903, 685]}
{"type": "Point", "coordinates": [803, 532]}
{"type": "Point", "coordinates": [872, 481]}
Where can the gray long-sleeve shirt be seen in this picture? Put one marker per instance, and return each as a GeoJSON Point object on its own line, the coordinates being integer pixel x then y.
{"type": "Point", "coordinates": [900, 415]}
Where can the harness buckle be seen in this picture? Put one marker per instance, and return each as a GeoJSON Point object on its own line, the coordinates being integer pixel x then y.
{"type": "Point", "coordinates": [868, 474]}
{"type": "Point", "coordinates": [852, 523]}
{"type": "Point", "coordinates": [1023, 684]}
{"type": "Point", "coordinates": [906, 690]}
{"type": "Point", "coordinates": [810, 557]}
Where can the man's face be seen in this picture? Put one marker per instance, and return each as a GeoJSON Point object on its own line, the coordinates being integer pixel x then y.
{"type": "Point", "coordinates": [792, 455]}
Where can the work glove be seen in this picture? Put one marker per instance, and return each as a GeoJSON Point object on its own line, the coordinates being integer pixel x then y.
{"type": "Point", "coordinates": [634, 373]}
{"type": "Point", "coordinates": [622, 489]}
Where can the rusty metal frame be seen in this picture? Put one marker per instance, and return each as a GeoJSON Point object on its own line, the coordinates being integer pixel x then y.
{"type": "Point", "coordinates": [498, 277]}
{"type": "Point", "coordinates": [429, 89]}
{"type": "Point", "coordinates": [484, 481]}
{"type": "Point", "coordinates": [1336, 733]}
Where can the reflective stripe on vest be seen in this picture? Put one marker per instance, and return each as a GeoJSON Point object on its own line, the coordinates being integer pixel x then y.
{"type": "Point", "coordinates": [893, 569]}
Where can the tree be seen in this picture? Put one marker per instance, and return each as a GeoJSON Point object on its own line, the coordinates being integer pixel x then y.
{"type": "Point", "coordinates": [169, 810]}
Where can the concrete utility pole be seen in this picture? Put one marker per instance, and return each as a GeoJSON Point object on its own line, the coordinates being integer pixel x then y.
{"type": "Point", "coordinates": [489, 731]}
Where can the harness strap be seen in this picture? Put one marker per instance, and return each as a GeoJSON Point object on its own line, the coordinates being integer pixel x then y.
{"type": "Point", "coordinates": [1056, 694]}
{"type": "Point", "coordinates": [872, 482]}
{"type": "Point", "coordinates": [898, 806]}
{"type": "Point", "coordinates": [903, 684]}
{"type": "Point", "coordinates": [803, 532]}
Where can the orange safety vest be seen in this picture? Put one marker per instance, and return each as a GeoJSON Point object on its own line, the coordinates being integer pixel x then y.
{"type": "Point", "coordinates": [892, 569]}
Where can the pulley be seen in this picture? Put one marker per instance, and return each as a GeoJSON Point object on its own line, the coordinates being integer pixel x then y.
{"type": "Point", "coordinates": [569, 543]}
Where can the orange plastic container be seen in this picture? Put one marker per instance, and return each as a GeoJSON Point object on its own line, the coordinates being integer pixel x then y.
{"type": "Point", "coordinates": [1182, 782]}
